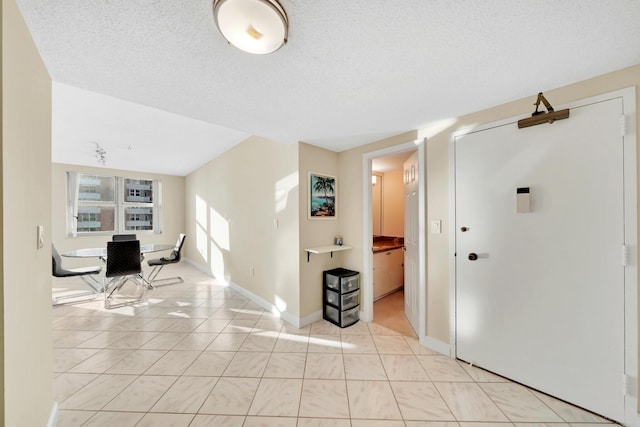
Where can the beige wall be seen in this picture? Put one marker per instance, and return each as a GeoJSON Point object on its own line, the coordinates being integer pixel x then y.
{"type": "Point", "coordinates": [350, 166]}
{"type": "Point", "coordinates": [318, 231]}
{"type": "Point", "coordinates": [173, 211]}
{"type": "Point", "coordinates": [437, 171]}
{"type": "Point", "coordinates": [393, 204]}
{"type": "Point", "coordinates": [242, 211]}
{"type": "Point", "coordinates": [234, 234]}
{"type": "Point", "coordinates": [350, 169]}
{"type": "Point", "coordinates": [26, 203]}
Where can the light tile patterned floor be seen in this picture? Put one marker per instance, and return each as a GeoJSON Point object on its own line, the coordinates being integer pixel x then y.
{"type": "Point", "coordinates": [199, 354]}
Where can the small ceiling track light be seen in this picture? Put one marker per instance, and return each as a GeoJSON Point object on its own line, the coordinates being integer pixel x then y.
{"type": "Point", "coordinates": [255, 26]}
{"type": "Point", "coordinates": [101, 154]}
{"type": "Point", "coordinates": [540, 117]}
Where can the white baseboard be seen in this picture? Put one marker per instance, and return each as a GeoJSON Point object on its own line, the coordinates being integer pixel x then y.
{"type": "Point", "coordinates": [287, 317]}
{"type": "Point", "coordinates": [53, 416]}
{"type": "Point", "coordinates": [255, 298]}
{"type": "Point", "coordinates": [436, 345]}
{"type": "Point", "coordinates": [298, 322]}
{"type": "Point", "coordinates": [632, 417]}
{"type": "Point", "coordinates": [310, 318]}
{"type": "Point", "coordinates": [198, 266]}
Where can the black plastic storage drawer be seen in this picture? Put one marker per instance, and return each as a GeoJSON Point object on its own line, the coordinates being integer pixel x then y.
{"type": "Point", "coordinates": [342, 301]}
{"type": "Point", "coordinates": [342, 318]}
{"type": "Point", "coordinates": [341, 296]}
{"type": "Point", "coordinates": [342, 280]}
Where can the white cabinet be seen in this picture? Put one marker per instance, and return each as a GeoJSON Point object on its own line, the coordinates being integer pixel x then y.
{"type": "Point", "coordinates": [388, 272]}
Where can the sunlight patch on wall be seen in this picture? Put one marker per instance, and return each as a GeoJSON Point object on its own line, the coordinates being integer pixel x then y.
{"type": "Point", "coordinates": [217, 263]}
{"type": "Point", "coordinates": [202, 238]}
{"type": "Point", "coordinates": [201, 212]}
{"type": "Point", "coordinates": [434, 128]}
{"type": "Point", "coordinates": [219, 230]}
{"type": "Point", "coordinates": [283, 187]}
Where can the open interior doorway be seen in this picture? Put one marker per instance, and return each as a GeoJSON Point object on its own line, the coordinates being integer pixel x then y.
{"type": "Point", "coordinates": [388, 214]}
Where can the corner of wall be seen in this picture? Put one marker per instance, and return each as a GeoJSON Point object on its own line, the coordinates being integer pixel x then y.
{"type": "Point", "coordinates": [2, 359]}
{"type": "Point", "coordinates": [26, 154]}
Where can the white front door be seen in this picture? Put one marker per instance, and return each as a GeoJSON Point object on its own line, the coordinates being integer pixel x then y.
{"type": "Point", "coordinates": [540, 294]}
{"type": "Point", "coordinates": [411, 230]}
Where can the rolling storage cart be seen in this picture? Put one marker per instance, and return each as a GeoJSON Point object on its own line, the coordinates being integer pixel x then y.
{"type": "Point", "coordinates": [341, 296]}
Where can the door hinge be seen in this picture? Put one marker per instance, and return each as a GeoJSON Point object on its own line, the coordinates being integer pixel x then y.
{"type": "Point", "coordinates": [629, 386]}
{"type": "Point", "coordinates": [625, 255]}
{"type": "Point", "coordinates": [623, 125]}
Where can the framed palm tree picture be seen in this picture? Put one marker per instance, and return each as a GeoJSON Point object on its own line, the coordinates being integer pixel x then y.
{"type": "Point", "coordinates": [322, 196]}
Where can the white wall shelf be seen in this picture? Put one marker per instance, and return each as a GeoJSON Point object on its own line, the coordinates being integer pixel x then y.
{"type": "Point", "coordinates": [326, 249]}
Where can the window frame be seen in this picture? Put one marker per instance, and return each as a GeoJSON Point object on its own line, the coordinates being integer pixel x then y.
{"type": "Point", "coordinates": [119, 204]}
{"type": "Point", "coordinates": [124, 205]}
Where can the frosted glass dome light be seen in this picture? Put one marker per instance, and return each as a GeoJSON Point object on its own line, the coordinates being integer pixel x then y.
{"type": "Point", "coordinates": [255, 26]}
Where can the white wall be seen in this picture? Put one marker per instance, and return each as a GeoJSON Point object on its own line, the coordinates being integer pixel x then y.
{"type": "Point", "coordinates": [26, 203]}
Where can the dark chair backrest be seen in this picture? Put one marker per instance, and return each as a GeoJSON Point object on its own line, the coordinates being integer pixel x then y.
{"type": "Point", "coordinates": [175, 253]}
{"type": "Point", "coordinates": [179, 244]}
{"type": "Point", "coordinates": [121, 237]}
{"type": "Point", "coordinates": [123, 258]}
{"type": "Point", "coordinates": [56, 265]}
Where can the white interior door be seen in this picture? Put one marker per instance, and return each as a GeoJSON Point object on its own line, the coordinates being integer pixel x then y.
{"type": "Point", "coordinates": [411, 230]}
{"type": "Point", "coordinates": [543, 303]}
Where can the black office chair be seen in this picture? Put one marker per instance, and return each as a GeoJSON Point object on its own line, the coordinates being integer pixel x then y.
{"type": "Point", "coordinates": [159, 263]}
{"type": "Point", "coordinates": [85, 273]}
{"type": "Point", "coordinates": [123, 265]}
{"type": "Point", "coordinates": [121, 237]}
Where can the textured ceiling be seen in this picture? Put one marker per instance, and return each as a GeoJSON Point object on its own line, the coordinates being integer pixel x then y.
{"type": "Point", "coordinates": [352, 72]}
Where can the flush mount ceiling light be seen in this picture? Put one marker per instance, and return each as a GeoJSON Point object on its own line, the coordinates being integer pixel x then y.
{"type": "Point", "coordinates": [255, 26]}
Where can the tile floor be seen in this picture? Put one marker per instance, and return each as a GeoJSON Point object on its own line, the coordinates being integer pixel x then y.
{"type": "Point", "coordinates": [389, 312]}
{"type": "Point", "coordinates": [199, 354]}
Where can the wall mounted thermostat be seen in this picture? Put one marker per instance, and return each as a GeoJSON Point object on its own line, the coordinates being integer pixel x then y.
{"type": "Point", "coordinates": [523, 200]}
